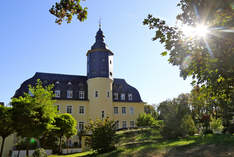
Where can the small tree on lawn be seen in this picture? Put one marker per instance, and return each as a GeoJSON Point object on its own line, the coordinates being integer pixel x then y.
{"type": "Point", "coordinates": [102, 135]}
{"type": "Point", "coordinates": [34, 113]}
{"type": "Point", "coordinates": [6, 124]}
{"type": "Point", "coordinates": [65, 127]}
{"type": "Point", "coordinates": [147, 120]}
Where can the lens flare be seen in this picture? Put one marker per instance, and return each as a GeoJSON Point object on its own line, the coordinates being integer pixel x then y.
{"type": "Point", "coordinates": [197, 31]}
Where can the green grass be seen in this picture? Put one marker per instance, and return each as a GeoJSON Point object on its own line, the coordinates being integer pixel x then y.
{"type": "Point", "coordinates": [148, 142]}
{"type": "Point", "coordinates": [74, 155]}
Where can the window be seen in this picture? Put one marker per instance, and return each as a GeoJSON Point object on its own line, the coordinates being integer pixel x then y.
{"type": "Point", "coordinates": [131, 110]}
{"type": "Point", "coordinates": [122, 96]}
{"type": "Point", "coordinates": [69, 109]}
{"type": "Point", "coordinates": [123, 110]}
{"type": "Point", "coordinates": [117, 125]}
{"type": "Point", "coordinates": [81, 94]}
{"type": "Point", "coordinates": [115, 96]}
{"type": "Point", "coordinates": [130, 97]}
{"type": "Point", "coordinates": [132, 124]}
{"type": "Point", "coordinates": [69, 94]}
{"type": "Point", "coordinates": [108, 94]}
{"type": "Point", "coordinates": [69, 83]}
{"type": "Point", "coordinates": [81, 110]}
{"type": "Point", "coordinates": [96, 94]}
{"type": "Point", "coordinates": [103, 114]}
{"type": "Point", "coordinates": [116, 110]}
{"type": "Point", "coordinates": [81, 126]}
{"type": "Point", "coordinates": [58, 108]}
{"type": "Point", "coordinates": [57, 93]}
{"type": "Point", "coordinates": [124, 123]}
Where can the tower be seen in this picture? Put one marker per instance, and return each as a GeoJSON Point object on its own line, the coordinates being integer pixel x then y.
{"type": "Point", "coordinates": [100, 78]}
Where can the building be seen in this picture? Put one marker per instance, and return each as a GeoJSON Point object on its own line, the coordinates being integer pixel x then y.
{"type": "Point", "coordinates": [96, 95]}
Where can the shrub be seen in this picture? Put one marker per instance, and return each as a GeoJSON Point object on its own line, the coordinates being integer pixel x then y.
{"type": "Point", "coordinates": [102, 135]}
{"type": "Point", "coordinates": [216, 125]}
{"type": "Point", "coordinates": [40, 152]}
{"type": "Point", "coordinates": [174, 127]}
{"type": "Point", "coordinates": [147, 120]}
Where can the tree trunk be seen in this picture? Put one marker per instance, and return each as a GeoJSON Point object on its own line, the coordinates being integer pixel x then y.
{"type": "Point", "coordinates": [27, 153]}
{"type": "Point", "coordinates": [60, 145]}
{"type": "Point", "coordinates": [3, 141]}
{"type": "Point", "coordinates": [18, 153]}
{"type": "Point", "coordinates": [67, 146]}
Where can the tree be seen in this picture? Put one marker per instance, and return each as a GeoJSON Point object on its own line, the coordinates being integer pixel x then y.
{"type": "Point", "coordinates": [102, 134]}
{"type": "Point", "coordinates": [34, 113]}
{"type": "Point", "coordinates": [177, 118]}
{"type": "Point", "coordinates": [150, 109]}
{"type": "Point", "coordinates": [6, 124]}
{"type": "Point", "coordinates": [65, 127]}
{"type": "Point", "coordinates": [66, 9]}
{"type": "Point", "coordinates": [201, 44]}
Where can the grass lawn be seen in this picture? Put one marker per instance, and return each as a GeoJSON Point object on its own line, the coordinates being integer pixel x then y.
{"type": "Point", "coordinates": [148, 142]}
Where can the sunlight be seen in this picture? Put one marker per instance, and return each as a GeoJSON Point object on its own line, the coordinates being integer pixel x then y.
{"type": "Point", "coordinates": [198, 31]}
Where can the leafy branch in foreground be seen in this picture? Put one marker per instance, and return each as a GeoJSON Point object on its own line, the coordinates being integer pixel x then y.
{"type": "Point", "coordinates": [206, 55]}
{"type": "Point", "coordinates": [66, 9]}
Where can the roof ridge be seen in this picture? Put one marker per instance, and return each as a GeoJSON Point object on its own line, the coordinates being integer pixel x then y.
{"type": "Point", "coordinates": [38, 73]}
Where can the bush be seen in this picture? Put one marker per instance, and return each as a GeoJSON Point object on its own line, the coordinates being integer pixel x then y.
{"type": "Point", "coordinates": [147, 120]}
{"type": "Point", "coordinates": [174, 127]}
{"type": "Point", "coordinates": [216, 125]}
{"type": "Point", "coordinates": [102, 135]}
{"type": "Point", "coordinates": [40, 152]}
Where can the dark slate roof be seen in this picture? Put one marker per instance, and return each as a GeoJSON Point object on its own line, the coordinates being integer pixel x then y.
{"type": "Point", "coordinates": [61, 82]}
{"type": "Point", "coordinates": [121, 86]}
{"type": "Point", "coordinates": [76, 83]}
{"type": "Point", "coordinates": [99, 43]}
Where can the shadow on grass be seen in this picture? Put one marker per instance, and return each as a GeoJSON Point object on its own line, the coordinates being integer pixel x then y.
{"type": "Point", "coordinates": [211, 150]}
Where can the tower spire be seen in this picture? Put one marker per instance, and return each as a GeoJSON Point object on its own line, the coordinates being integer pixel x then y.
{"type": "Point", "coordinates": [100, 23]}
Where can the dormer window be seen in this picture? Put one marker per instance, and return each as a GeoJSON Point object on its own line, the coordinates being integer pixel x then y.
{"type": "Point", "coordinates": [69, 93]}
{"type": "Point", "coordinates": [57, 82]}
{"type": "Point", "coordinates": [115, 96]}
{"type": "Point", "coordinates": [122, 96]}
{"type": "Point", "coordinates": [69, 83]}
{"type": "Point", "coordinates": [130, 97]}
{"type": "Point", "coordinates": [81, 94]}
{"type": "Point", "coordinates": [57, 93]}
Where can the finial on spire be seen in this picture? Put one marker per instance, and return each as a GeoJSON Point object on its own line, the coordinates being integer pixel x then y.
{"type": "Point", "coordinates": [100, 23]}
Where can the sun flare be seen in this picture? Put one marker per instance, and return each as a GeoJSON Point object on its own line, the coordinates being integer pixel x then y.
{"type": "Point", "coordinates": [197, 31]}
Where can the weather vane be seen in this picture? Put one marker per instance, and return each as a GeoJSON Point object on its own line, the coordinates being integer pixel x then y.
{"type": "Point", "coordinates": [100, 23]}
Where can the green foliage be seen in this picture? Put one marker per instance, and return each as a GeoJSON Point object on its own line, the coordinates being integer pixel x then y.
{"type": "Point", "coordinates": [34, 114]}
{"type": "Point", "coordinates": [147, 120]}
{"type": "Point", "coordinates": [49, 140]}
{"type": "Point", "coordinates": [66, 9]}
{"type": "Point", "coordinates": [177, 117]}
{"type": "Point", "coordinates": [216, 124]}
{"type": "Point", "coordinates": [209, 60]}
{"type": "Point", "coordinates": [24, 143]}
{"type": "Point", "coordinates": [65, 126]}
{"type": "Point", "coordinates": [40, 152]}
{"type": "Point", "coordinates": [6, 123]}
{"type": "Point", "coordinates": [102, 135]}
{"type": "Point", "coordinates": [150, 109]}
{"type": "Point", "coordinates": [188, 125]}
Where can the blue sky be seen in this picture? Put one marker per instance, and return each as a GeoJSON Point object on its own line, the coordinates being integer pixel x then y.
{"type": "Point", "coordinates": [30, 41]}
